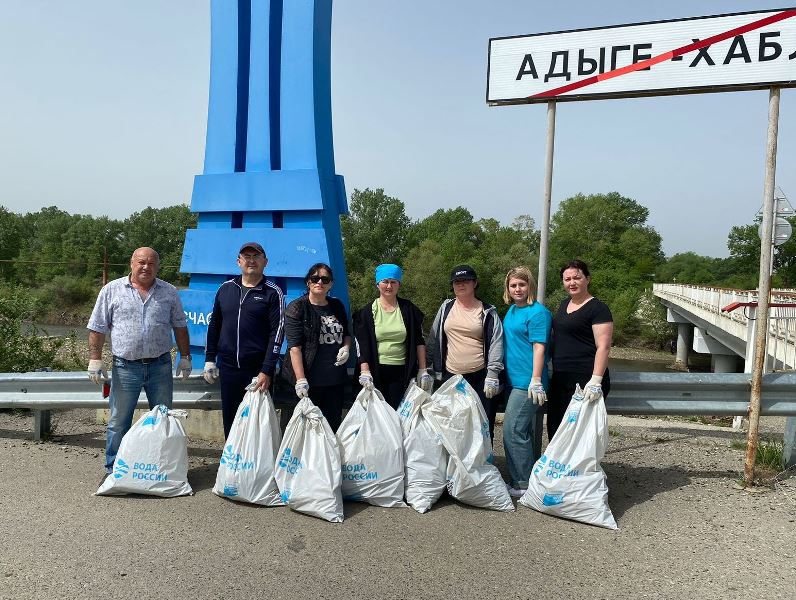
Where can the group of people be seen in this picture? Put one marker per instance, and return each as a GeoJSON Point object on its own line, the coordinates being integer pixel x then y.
{"type": "Point", "coordinates": [508, 358]}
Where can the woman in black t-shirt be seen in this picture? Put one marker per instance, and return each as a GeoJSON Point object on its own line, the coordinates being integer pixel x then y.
{"type": "Point", "coordinates": [582, 331]}
{"type": "Point", "coordinates": [316, 327]}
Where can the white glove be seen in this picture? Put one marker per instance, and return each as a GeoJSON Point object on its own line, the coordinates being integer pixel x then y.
{"type": "Point", "coordinates": [536, 391]}
{"type": "Point", "coordinates": [210, 372]}
{"type": "Point", "coordinates": [184, 367]}
{"type": "Point", "coordinates": [425, 381]}
{"type": "Point", "coordinates": [366, 380]}
{"type": "Point", "coordinates": [491, 387]}
{"type": "Point", "coordinates": [342, 356]}
{"type": "Point", "coordinates": [594, 389]}
{"type": "Point", "coordinates": [302, 388]}
{"type": "Point", "coordinates": [96, 372]}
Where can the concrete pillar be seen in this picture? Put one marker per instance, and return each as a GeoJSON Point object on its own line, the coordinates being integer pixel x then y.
{"type": "Point", "coordinates": [685, 334]}
{"type": "Point", "coordinates": [789, 452]}
{"type": "Point", "coordinates": [724, 363]}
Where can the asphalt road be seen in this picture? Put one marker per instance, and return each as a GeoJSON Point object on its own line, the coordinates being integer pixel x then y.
{"type": "Point", "coordinates": [685, 532]}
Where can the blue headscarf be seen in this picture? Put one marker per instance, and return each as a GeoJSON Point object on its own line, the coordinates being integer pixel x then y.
{"type": "Point", "coordinates": [389, 271]}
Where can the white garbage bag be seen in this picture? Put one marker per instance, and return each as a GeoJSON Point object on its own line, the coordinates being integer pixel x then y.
{"type": "Point", "coordinates": [425, 457]}
{"type": "Point", "coordinates": [371, 451]}
{"type": "Point", "coordinates": [307, 469]}
{"type": "Point", "coordinates": [152, 458]}
{"type": "Point", "coordinates": [246, 469]}
{"type": "Point", "coordinates": [458, 417]}
{"type": "Point", "coordinates": [567, 480]}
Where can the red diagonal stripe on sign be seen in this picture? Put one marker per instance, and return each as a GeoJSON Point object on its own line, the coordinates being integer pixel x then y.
{"type": "Point", "coordinates": [708, 41]}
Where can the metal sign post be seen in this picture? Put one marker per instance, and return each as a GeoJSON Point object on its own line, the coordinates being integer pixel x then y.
{"type": "Point", "coordinates": [548, 195]}
{"type": "Point", "coordinates": [764, 286]}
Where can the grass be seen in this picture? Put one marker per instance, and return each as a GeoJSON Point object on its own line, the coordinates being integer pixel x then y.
{"type": "Point", "coordinates": [769, 464]}
{"type": "Point", "coordinates": [769, 455]}
{"type": "Point", "coordinates": [614, 433]}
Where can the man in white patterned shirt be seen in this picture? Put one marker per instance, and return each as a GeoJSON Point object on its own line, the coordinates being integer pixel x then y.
{"type": "Point", "coordinates": [139, 311]}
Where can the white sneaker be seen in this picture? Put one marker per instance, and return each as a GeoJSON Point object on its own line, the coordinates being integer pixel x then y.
{"type": "Point", "coordinates": [515, 492]}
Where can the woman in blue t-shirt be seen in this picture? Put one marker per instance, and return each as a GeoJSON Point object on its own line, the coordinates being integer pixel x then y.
{"type": "Point", "coordinates": [526, 331]}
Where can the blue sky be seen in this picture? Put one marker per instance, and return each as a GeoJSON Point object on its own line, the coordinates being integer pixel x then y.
{"type": "Point", "coordinates": [104, 107]}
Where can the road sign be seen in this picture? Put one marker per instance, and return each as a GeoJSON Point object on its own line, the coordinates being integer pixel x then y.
{"type": "Point", "coordinates": [782, 231]}
{"type": "Point", "coordinates": [782, 208]}
{"type": "Point", "coordinates": [742, 51]}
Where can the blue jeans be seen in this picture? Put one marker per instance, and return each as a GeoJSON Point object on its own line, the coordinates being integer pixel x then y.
{"type": "Point", "coordinates": [127, 379]}
{"type": "Point", "coordinates": [522, 436]}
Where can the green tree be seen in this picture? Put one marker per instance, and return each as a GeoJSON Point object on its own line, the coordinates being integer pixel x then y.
{"type": "Point", "coordinates": [23, 351]}
{"type": "Point", "coordinates": [374, 231]}
{"type": "Point", "coordinates": [691, 268]}
{"type": "Point", "coordinates": [610, 233]}
{"type": "Point", "coordinates": [743, 243]}
{"type": "Point", "coordinates": [458, 235]}
{"type": "Point", "coordinates": [10, 241]}
{"type": "Point", "coordinates": [427, 278]}
{"type": "Point", "coordinates": [41, 256]}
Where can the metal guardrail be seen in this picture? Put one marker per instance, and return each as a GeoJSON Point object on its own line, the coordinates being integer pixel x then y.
{"type": "Point", "coordinates": [714, 394]}
{"type": "Point", "coordinates": [53, 391]}
{"type": "Point", "coordinates": [631, 393]}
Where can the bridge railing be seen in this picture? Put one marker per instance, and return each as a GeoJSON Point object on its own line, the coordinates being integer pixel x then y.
{"type": "Point", "coordinates": [782, 319]}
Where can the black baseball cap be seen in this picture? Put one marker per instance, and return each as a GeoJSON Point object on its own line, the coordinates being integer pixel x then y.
{"type": "Point", "coordinates": [253, 245]}
{"type": "Point", "coordinates": [463, 273]}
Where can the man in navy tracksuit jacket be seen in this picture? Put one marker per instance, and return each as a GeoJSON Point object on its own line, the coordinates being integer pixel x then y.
{"type": "Point", "coordinates": [245, 333]}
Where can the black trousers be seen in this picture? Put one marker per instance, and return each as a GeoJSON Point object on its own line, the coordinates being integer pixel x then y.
{"type": "Point", "coordinates": [233, 383]}
{"type": "Point", "coordinates": [476, 380]}
{"type": "Point", "coordinates": [392, 383]}
{"type": "Point", "coordinates": [329, 398]}
{"type": "Point", "coordinates": [562, 386]}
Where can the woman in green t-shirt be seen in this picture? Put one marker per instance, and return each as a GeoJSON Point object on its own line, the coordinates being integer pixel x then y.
{"type": "Point", "coordinates": [389, 335]}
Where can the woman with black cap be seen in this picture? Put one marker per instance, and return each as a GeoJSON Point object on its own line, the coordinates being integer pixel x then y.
{"type": "Point", "coordinates": [467, 339]}
{"type": "Point", "coordinates": [389, 336]}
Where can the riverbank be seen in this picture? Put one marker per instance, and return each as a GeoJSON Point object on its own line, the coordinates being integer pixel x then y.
{"type": "Point", "coordinates": [641, 354]}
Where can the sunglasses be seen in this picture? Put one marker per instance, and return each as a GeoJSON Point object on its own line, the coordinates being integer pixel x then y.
{"type": "Point", "coordinates": [322, 278]}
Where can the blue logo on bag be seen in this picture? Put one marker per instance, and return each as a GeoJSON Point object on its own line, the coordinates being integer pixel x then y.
{"type": "Point", "coordinates": [230, 490]}
{"type": "Point", "coordinates": [245, 412]}
{"type": "Point", "coordinates": [234, 461]}
{"type": "Point", "coordinates": [462, 386]}
{"type": "Point", "coordinates": [285, 496]}
{"type": "Point", "coordinates": [491, 458]}
{"type": "Point", "coordinates": [405, 409]}
{"type": "Point", "coordinates": [357, 472]}
{"type": "Point", "coordinates": [150, 420]}
{"type": "Point", "coordinates": [291, 464]}
{"type": "Point", "coordinates": [540, 464]}
{"type": "Point", "coordinates": [572, 416]}
{"type": "Point", "coordinates": [552, 499]}
{"type": "Point", "coordinates": [120, 468]}
{"type": "Point", "coordinates": [285, 458]}
{"type": "Point", "coordinates": [228, 455]}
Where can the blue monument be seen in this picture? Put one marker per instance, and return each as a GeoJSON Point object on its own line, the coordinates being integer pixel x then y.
{"type": "Point", "coordinates": [269, 172]}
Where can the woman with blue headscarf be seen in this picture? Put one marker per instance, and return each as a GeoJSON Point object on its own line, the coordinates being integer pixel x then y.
{"type": "Point", "coordinates": [390, 340]}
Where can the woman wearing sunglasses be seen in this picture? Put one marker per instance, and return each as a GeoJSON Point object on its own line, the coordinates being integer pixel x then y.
{"type": "Point", "coordinates": [390, 340]}
{"type": "Point", "coordinates": [316, 327]}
